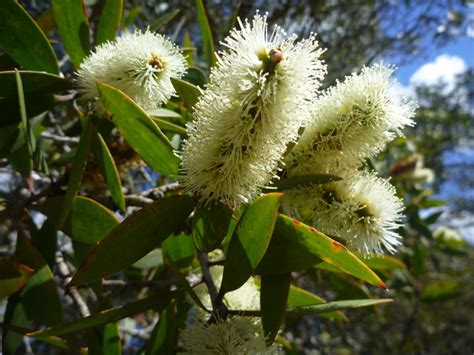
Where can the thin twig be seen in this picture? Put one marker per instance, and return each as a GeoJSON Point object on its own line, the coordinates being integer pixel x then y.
{"type": "Point", "coordinates": [73, 292]}
{"type": "Point", "coordinates": [60, 139]}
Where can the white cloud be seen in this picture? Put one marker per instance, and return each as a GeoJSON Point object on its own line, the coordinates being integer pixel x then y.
{"type": "Point", "coordinates": [443, 70]}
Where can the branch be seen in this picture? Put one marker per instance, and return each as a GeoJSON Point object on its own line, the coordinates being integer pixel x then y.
{"type": "Point", "coordinates": [60, 139]}
{"type": "Point", "coordinates": [73, 292]}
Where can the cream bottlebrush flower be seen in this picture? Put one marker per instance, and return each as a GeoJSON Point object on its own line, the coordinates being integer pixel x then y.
{"type": "Point", "coordinates": [363, 209]}
{"type": "Point", "coordinates": [353, 120]}
{"type": "Point", "coordinates": [260, 93]}
{"type": "Point", "coordinates": [236, 335]}
{"type": "Point", "coordinates": [140, 64]}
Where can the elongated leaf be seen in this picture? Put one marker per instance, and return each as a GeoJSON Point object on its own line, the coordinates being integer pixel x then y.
{"type": "Point", "coordinates": [210, 224]}
{"type": "Point", "coordinates": [298, 297]}
{"type": "Point", "coordinates": [109, 22]}
{"type": "Point", "coordinates": [163, 20]}
{"type": "Point", "coordinates": [73, 26]}
{"type": "Point", "coordinates": [157, 302]}
{"type": "Point", "coordinates": [302, 181]}
{"type": "Point", "coordinates": [108, 168]}
{"type": "Point", "coordinates": [273, 299]}
{"type": "Point", "coordinates": [384, 263]}
{"type": "Point", "coordinates": [206, 34]}
{"type": "Point", "coordinates": [250, 241]}
{"type": "Point", "coordinates": [163, 113]}
{"type": "Point", "coordinates": [170, 127]}
{"type": "Point", "coordinates": [296, 246]}
{"type": "Point", "coordinates": [40, 285]}
{"type": "Point", "coordinates": [134, 238]}
{"type": "Point", "coordinates": [25, 124]}
{"type": "Point", "coordinates": [180, 249]}
{"type": "Point", "coordinates": [20, 331]}
{"type": "Point", "coordinates": [187, 52]}
{"type": "Point", "coordinates": [140, 131]}
{"type": "Point", "coordinates": [23, 40]}
{"type": "Point", "coordinates": [33, 82]}
{"type": "Point", "coordinates": [188, 92]}
{"type": "Point", "coordinates": [88, 221]}
{"type": "Point", "coordinates": [77, 170]}
{"type": "Point", "coordinates": [104, 339]}
{"type": "Point", "coordinates": [13, 276]}
{"type": "Point", "coordinates": [22, 308]}
{"type": "Point", "coordinates": [163, 338]}
{"type": "Point", "coordinates": [335, 306]}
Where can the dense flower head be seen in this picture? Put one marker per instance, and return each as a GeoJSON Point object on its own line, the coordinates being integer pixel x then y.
{"type": "Point", "coordinates": [353, 120]}
{"type": "Point", "coordinates": [362, 208]}
{"type": "Point", "coordinates": [236, 335]}
{"type": "Point", "coordinates": [140, 64]}
{"type": "Point", "coordinates": [260, 93]}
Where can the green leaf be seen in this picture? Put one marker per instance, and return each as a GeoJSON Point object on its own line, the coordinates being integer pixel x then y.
{"type": "Point", "coordinates": [157, 302]}
{"type": "Point", "coordinates": [384, 263]}
{"type": "Point", "coordinates": [88, 221]}
{"type": "Point", "coordinates": [109, 22]}
{"type": "Point", "coordinates": [196, 76]}
{"type": "Point", "coordinates": [40, 285]}
{"type": "Point", "coordinates": [140, 131]}
{"type": "Point", "coordinates": [206, 34]}
{"type": "Point", "coordinates": [20, 332]}
{"type": "Point", "coordinates": [163, 20]}
{"type": "Point", "coordinates": [180, 249]}
{"type": "Point", "coordinates": [24, 41]}
{"type": "Point", "coordinates": [299, 297]}
{"type": "Point", "coordinates": [168, 126]}
{"type": "Point", "coordinates": [296, 246]}
{"type": "Point", "coordinates": [73, 26]}
{"type": "Point", "coordinates": [250, 241]}
{"type": "Point", "coordinates": [164, 336]}
{"type": "Point", "coordinates": [134, 238]}
{"type": "Point", "coordinates": [107, 168]}
{"type": "Point", "coordinates": [33, 83]}
{"type": "Point", "coordinates": [188, 92]}
{"type": "Point", "coordinates": [335, 306]}
{"type": "Point", "coordinates": [187, 52]}
{"type": "Point", "coordinates": [13, 276]}
{"type": "Point", "coordinates": [273, 299]}
{"type": "Point", "coordinates": [163, 113]}
{"type": "Point", "coordinates": [440, 291]}
{"type": "Point", "coordinates": [77, 170]}
{"type": "Point", "coordinates": [22, 308]}
{"type": "Point", "coordinates": [210, 225]}
{"type": "Point", "coordinates": [45, 240]}
{"type": "Point", "coordinates": [104, 339]}
{"type": "Point", "coordinates": [302, 181]}
{"type": "Point", "coordinates": [25, 125]}
{"type": "Point", "coordinates": [152, 259]}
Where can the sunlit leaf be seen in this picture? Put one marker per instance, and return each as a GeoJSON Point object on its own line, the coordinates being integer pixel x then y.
{"type": "Point", "coordinates": [250, 241]}
{"type": "Point", "coordinates": [73, 26]}
{"type": "Point", "coordinates": [296, 246]}
{"type": "Point", "coordinates": [140, 131]}
{"type": "Point", "coordinates": [109, 22]}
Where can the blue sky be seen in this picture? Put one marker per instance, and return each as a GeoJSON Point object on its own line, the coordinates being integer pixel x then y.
{"type": "Point", "coordinates": [462, 47]}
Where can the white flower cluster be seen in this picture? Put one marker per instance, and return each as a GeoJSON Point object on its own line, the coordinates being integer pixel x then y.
{"type": "Point", "coordinates": [259, 95]}
{"type": "Point", "coordinates": [236, 335]}
{"type": "Point", "coordinates": [140, 64]}
{"type": "Point", "coordinates": [353, 120]}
